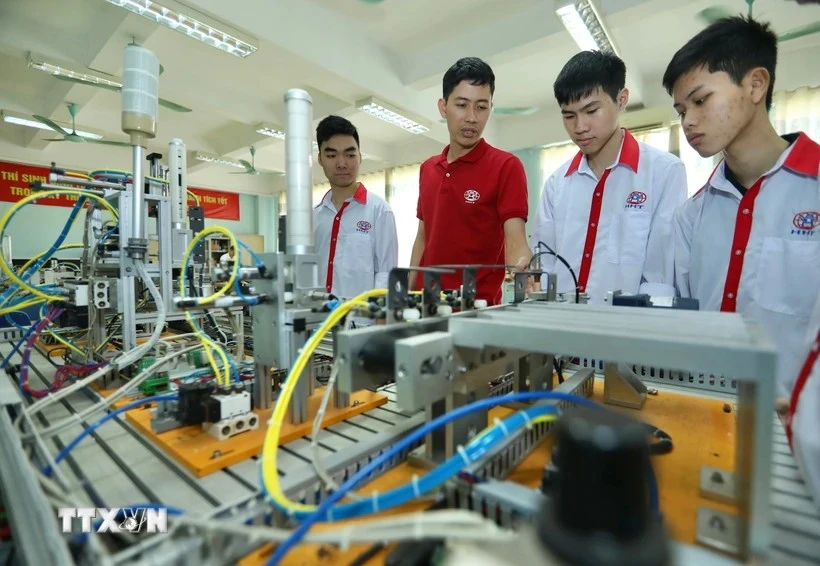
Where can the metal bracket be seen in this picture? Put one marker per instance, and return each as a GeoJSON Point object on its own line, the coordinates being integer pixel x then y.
{"type": "Point", "coordinates": [718, 485]}
{"type": "Point", "coordinates": [469, 286]}
{"type": "Point", "coordinates": [718, 529]}
{"type": "Point", "coordinates": [398, 291]}
{"type": "Point", "coordinates": [424, 370]}
{"type": "Point", "coordinates": [622, 387]}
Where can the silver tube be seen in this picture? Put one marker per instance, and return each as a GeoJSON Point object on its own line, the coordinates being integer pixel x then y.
{"type": "Point", "coordinates": [177, 183]}
{"type": "Point", "coordinates": [138, 202]}
{"type": "Point", "coordinates": [298, 167]}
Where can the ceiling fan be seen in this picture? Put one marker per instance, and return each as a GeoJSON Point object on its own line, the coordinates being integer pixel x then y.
{"type": "Point", "coordinates": [250, 168]}
{"type": "Point", "coordinates": [73, 136]}
{"type": "Point", "coordinates": [714, 13]}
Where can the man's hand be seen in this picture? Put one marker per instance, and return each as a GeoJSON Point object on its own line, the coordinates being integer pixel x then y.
{"type": "Point", "coordinates": [523, 264]}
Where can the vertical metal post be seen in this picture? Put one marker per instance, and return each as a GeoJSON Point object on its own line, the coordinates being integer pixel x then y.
{"type": "Point", "coordinates": [298, 411]}
{"type": "Point", "coordinates": [138, 190]}
{"type": "Point", "coordinates": [166, 285]}
{"type": "Point", "coordinates": [299, 172]}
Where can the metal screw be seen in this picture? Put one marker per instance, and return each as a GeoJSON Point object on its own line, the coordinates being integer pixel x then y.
{"type": "Point", "coordinates": [356, 403]}
{"type": "Point", "coordinates": [128, 270]}
{"type": "Point", "coordinates": [216, 454]}
{"type": "Point", "coordinates": [717, 477]}
{"type": "Point", "coordinates": [651, 391]}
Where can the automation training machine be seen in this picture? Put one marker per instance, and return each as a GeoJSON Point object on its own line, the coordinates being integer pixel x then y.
{"type": "Point", "coordinates": [540, 431]}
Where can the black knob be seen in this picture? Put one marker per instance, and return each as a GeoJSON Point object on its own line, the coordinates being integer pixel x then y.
{"type": "Point", "coordinates": [598, 512]}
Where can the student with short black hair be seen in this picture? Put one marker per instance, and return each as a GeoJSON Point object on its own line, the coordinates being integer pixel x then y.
{"type": "Point", "coordinates": [355, 232]}
{"type": "Point", "coordinates": [472, 205]}
{"type": "Point", "coordinates": [749, 240]}
{"type": "Point", "coordinates": [608, 210]}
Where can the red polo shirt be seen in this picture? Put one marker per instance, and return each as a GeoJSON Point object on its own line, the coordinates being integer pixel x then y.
{"type": "Point", "coordinates": [464, 205]}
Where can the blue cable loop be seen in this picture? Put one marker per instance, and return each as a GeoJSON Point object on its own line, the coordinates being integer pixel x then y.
{"type": "Point", "coordinates": [324, 509]}
{"type": "Point", "coordinates": [97, 424]}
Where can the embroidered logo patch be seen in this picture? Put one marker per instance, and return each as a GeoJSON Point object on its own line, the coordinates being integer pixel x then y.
{"type": "Point", "coordinates": [363, 226]}
{"type": "Point", "coordinates": [636, 199]}
{"type": "Point", "coordinates": [805, 222]}
{"type": "Point", "coordinates": [471, 195]}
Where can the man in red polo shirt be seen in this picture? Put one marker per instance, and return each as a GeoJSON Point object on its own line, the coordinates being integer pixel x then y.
{"type": "Point", "coordinates": [472, 205]}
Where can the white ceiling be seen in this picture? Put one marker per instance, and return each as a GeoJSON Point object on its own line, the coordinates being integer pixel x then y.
{"type": "Point", "coordinates": [340, 51]}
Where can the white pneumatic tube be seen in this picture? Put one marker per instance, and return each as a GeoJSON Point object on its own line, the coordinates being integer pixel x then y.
{"type": "Point", "coordinates": [299, 172]}
{"type": "Point", "coordinates": [178, 183]}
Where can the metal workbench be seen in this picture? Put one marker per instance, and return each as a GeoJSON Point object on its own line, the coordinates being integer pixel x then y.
{"type": "Point", "coordinates": [117, 467]}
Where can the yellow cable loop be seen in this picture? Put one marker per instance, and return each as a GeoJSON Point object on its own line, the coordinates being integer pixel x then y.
{"type": "Point", "coordinates": [7, 270]}
{"type": "Point", "coordinates": [208, 344]}
{"type": "Point", "coordinates": [270, 475]}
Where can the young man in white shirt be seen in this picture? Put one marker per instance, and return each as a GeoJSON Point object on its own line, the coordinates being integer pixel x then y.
{"type": "Point", "coordinates": [354, 229]}
{"type": "Point", "coordinates": [226, 259]}
{"type": "Point", "coordinates": [608, 211]}
{"type": "Point", "coordinates": [748, 241]}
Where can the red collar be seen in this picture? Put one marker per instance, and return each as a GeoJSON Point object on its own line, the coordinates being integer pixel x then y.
{"type": "Point", "coordinates": [629, 155]}
{"type": "Point", "coordinates": [804, 157]}
{"type": "Point", "coordinates": [471, 157]}
{"type": "Point", "coordinates": [359, 196]}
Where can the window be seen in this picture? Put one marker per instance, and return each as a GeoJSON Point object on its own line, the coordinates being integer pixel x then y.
{"type": "Point", "coordinates": [657, 138]}
{"type": "Point", "coordinates": [553, 156]}
{"type": "Point", "coordinates": [698, 169]}
{"type": "Point", "coordinates": [797, 111]}
{"type": "Point", "coordinates": [404, 202]}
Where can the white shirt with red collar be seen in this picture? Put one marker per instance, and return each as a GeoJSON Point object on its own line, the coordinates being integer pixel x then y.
{"type": "Point", "coordinates": [357, 244]}
{"type": "Point", "coordinates": [758, 252]}
{"type": "Point", "coordinates": [616, 231]}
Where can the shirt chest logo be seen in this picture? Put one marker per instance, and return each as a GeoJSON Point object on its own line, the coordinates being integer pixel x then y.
{"type": "Point", "coordinates": [471, 196]}
{"type": "Point", "coordinates": [363, 226]}
{"type": "Point", "coordinates": [636, 199]}
{"type": "Point", "coordinates": [805, 223]}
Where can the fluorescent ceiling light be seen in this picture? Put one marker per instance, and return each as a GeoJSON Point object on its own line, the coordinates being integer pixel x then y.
{"type": "Point", "coordinates": [391, 115]}
{"type": "Point", "coordinates": [271, 131]}
{"type": "Point", "coordinates": [278, 133]}
{"type": "Point", "coordinates": [61, 72]}
{"type": "Point", "coordinates": [188, 25]}
{"type": "Point", "coordinates": [218, 160]}
{"type": "Point", "coordinates": [39, 125]}
{"type": "Point", "coordinates": [585, 26]}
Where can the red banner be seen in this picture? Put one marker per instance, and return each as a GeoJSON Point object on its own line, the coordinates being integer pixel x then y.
{"type": "Point", "coordinates": [15, 179]}
{"type": "Point", "coordinates": [14, 184]}
{"type": "Point", "coordinates": [216, 204]}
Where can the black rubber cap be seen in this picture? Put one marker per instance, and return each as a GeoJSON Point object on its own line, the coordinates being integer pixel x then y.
{"type": "Point", "coordinates": [598, 513]}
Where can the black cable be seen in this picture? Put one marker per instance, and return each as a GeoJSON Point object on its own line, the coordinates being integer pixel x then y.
{"type": "Point", "coordinates": [368, 554]}
{"type": "Point", "coordinates": [663, 442]}
{"type": "Point", "coordinates": [558, 370]}
{"type": "Point", "coordinates": [560, 258]}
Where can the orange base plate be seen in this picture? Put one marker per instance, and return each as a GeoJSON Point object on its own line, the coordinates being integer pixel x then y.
{"type": "Point", "coordinates": [203, 454]}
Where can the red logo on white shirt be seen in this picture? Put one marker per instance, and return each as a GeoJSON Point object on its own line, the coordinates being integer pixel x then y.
{"type": "Point", "coordinates": [635, 199]}
{"type": "Point", "coordinates": [471, 195]}
{"type": "Point", "coordinates": [805, 222]}
{"type": "Point", "coordinates": [363, 226]}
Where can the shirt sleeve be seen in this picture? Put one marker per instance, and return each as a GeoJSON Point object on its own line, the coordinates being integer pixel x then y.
{"type": "Point", "coordinates": [659, 265]}
{"type": "Point", "coordinates": [805, 401]}
{"type": "Point", "coordinates": [684, 224]}
{"type": "Point", "coordinates": [544, 230]}
{"type": "Point", "coordinates": [418, 204]}
{"type": "Point", "coordinates": [387, 246]}
{"type": "Point", "coordinates": [512, 192]}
